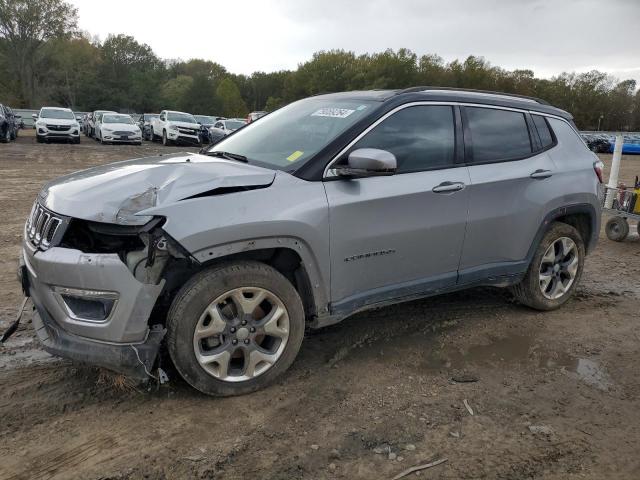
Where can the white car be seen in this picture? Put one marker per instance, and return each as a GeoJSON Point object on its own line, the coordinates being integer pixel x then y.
{"type": "Point", "coordinates": [56, 123]}
{"type": "Point", "coordinates": [176, 127]}
{"type": "Point", "coordinates": [119, 128]}
{"type": "Point", "coordinates": [222, 128]}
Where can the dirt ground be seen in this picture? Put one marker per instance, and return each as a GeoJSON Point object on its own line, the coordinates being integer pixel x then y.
{"type": "Point", "coordinates": [553, 395]}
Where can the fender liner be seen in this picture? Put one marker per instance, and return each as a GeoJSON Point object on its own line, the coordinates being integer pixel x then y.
{"type": "Point", "coordinates": [316, 280]}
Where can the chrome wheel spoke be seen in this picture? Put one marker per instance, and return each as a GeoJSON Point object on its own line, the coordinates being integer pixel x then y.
{"type": "Point", "coordinates": [545, 280]}
{"type": "Point", "coordinates": [572, 267]}
{"type": "Point", "coordinates": [549, 256]}
{"type": "Point", "coordinates": [257, 362]}
{"type": "Point", "coordinates": [221, 360]}
{"type": "Point", "coordinates": [215, 327]}
{"type": "Point", "coordinates": [247, 305]}
{"type": "Point", "coordinates": [272, 323]}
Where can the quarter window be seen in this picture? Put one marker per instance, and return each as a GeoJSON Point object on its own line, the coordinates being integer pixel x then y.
{"type": "Point", "coordinates": [497, 135]}
{"type": "Point", "coordinates": [421, 137]}
{"type": "Point", "coordinates": [543, 130]}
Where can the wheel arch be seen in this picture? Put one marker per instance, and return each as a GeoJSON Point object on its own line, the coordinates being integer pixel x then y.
{"type": "Point", "coordinates": [583, 217]}
{"type": "Point", "coordinates": [289, 255]}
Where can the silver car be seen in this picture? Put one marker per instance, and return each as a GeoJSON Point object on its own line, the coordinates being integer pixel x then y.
{"type": "Point", "coordinates": [329, 206]}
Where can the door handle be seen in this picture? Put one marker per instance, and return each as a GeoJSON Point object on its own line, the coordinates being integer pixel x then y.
{"type": "Point", "coordinates": [448, 187]}
{"type": "Point", "coordinates": [540, 174]}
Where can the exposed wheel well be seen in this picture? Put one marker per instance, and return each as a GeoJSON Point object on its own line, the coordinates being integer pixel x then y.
{"type": "Point", "coordinates": [581, 222]}
{"type": "Point", "coordinates": [284, 260]}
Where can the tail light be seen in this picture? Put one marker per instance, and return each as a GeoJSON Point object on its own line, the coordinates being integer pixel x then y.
{"type": "Point", "coordinates": [598, 167]}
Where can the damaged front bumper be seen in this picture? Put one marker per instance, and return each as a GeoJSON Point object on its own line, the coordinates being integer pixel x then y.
{"type": "Point", "coordinates": [90, 308]}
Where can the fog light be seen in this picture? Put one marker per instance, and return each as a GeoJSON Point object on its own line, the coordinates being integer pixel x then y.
{"type": "Point", "coordinates": [41, 130]}
{"type": "Point", "coordinates": [91, 305]}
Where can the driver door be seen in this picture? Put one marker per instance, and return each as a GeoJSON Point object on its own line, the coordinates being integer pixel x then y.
{"type": "Point", "coordinates": [401, 235]}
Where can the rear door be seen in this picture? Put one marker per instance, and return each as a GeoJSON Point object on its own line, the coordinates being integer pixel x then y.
{"type": "Point", "coordinates": [510, 173]}
{"type": "Point", "coordinates": [399, 235]}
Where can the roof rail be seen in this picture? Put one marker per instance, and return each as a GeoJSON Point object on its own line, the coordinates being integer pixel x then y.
{"type": "Point", "coordinates": [471, 90]}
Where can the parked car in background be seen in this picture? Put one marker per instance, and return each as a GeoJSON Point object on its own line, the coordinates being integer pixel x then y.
{"type": "Point", "coordinates": [6, 125]}
{"type": "Point", "coordinates": [176, 127]}
{"type": "Point", "coordinates": [13, 122]}
{"type": "Point", "coordinates": [119, 128]}
{"type": "Point", "coordinates": [253, 116]}
{"type": "Point", "coordinates": [630, 145]}
{"type": "Point", "coordinates": [95, 117]}
{"type": "Point", "coordinates": [222, 128]}
{"type": "Point", "coordinates": [97, 122]}
{"type": "Point", "coordinates": [206, 122]}
{"type": "Point", "coordinates": [88, 120]}
{"type": "Point", "coordinates": [80, 120]}
{"type": "Point", "coordinates": [144, 122]}
{"type": "Point", "coordinates": [53, 123]}
{"type": "Point", "coordinates": [596, 143]}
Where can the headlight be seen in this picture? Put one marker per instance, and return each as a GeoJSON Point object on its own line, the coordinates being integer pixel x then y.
{"type": "Point", "coordinates": [136, 203]}
{"type": "Point", "coordinates": [75, 125]}
{"type": "Point", "coordinates": [41, 123]}
{"type": "Point", "coordinates": [173, 127]}
{"type": "Point", "coordinates": [108, 130]}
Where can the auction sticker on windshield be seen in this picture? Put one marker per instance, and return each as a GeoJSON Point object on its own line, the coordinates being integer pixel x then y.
{"type": "Point", "coordinates": [333, 112]}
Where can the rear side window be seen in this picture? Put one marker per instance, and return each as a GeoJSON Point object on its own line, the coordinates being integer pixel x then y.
{"type": "Point", "coordinates": [497, 135]}
{"type": "Point", "coordinates": [421, 137]}
{"type": "Point", "coordinates": [543, 130]}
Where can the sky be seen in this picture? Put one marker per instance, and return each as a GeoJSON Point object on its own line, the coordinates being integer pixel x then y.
{"type": "Point", "coordinates": [546, 36]}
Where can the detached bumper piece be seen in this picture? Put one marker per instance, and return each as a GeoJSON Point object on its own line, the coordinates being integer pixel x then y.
{"type": "Point", "coordinates": [135, 361]}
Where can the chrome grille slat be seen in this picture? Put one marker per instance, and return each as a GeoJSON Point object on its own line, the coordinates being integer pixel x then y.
{"type": "Point", "coordinates": [43, 227]}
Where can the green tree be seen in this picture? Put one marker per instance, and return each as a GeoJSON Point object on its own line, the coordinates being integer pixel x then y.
{"type": "Point", "coordinates": [25, 26]}
{"type": "Point", "coordinates": [230, 99]}
{"type": "Point", "coordinates": [174, 90]}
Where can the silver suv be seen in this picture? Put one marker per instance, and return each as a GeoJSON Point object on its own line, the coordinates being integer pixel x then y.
{"type": "Point", "coordinates": [329, 206]}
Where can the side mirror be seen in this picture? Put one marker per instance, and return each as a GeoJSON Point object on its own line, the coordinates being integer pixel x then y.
{"type": "Point", "coordinates": [34, 116]}
{"type": "Point", "coordinates": [368, 162]}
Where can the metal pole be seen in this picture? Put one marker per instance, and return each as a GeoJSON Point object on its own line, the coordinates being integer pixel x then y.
{"type": "Point", "coordinates": [615, 170]}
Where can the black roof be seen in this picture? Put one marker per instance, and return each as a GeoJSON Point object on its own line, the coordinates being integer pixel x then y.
{"type": "Point", "coordinates": [446, 94]}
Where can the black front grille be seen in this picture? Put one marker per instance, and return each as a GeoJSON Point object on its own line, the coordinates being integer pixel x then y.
{"type": "Point", "coordinates": [123, 134]}
{"type": "Point", "coordinates": [58, 128]}
{"type": "Point", "coordinates": [44, 228]}
{"type": "Point", "coordinates": [188, 131]}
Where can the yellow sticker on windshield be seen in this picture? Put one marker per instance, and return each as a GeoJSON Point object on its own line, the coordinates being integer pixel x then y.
{"type": "Point", "coordinates": [295, 155]}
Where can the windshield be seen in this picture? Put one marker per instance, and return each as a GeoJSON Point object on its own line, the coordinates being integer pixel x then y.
{"type": "Point", "coordinates": [293, 134]}
{"type": "Point", "coordinates": [56, 113]}
{"type": "Point", "coordinates": [234, 124]}
{"type": "Point", "coordinates": [205, 119]}
{"type": "Point", "coordinates": [181, 117]}
{"type": "Point", "coordinates": [117, 119]}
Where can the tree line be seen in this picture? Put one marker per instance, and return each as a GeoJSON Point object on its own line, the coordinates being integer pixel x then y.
{"type": "Point", "coordinates": [44, 59]}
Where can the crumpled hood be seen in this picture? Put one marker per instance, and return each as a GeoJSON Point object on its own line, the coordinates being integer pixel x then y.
{"type": "Point", "coordinates": [98, 193]}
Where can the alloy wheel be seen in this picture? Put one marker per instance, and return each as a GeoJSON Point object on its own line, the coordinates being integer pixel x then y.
{"type": "Point", "coordinates": [558, 268]}
{"type": "Point", "coordinates": [241, 334]}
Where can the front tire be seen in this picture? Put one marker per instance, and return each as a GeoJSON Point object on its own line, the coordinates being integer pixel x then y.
{"type": "Point", "coordinates": [555, 270]}
{"type": "Point", "coordinates": [234, 328]}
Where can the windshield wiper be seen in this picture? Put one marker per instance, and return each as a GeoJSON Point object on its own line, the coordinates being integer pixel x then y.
{"type": "Point", "coordinates": [228, 156]}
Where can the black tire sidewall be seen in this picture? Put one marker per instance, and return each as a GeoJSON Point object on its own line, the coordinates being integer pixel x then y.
{"type": "Point", "coordinates": [199, 292]}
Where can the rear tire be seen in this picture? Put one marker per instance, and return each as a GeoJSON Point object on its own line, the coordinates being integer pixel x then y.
{"type": "Point", "coordinates": [6, 136]}
{"type": "Point", "coordinates": [555, 270]}
{"type": "Point", "coordinates": [205, 321]}
{"type": "Point", "coordinates": [617, 229]}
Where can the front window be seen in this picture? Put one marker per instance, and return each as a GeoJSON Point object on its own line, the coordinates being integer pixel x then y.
{"type": "Point", "coordinates": [293, 134]}
{"type": "Point", "coordinates": [205, 120]}
{"type": "Point", "coordinates": [181, 117]}
{"type": "Point", "coordinates": [150, 117]}
{"type": "Point", "coordinates": [56, 113]}
{"type": "Point", "coordinates": [420, 137]}
{"type": "Point", "coordinates": [117, 119]}
{"type": "Point", "coordinates": [234, 124]}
